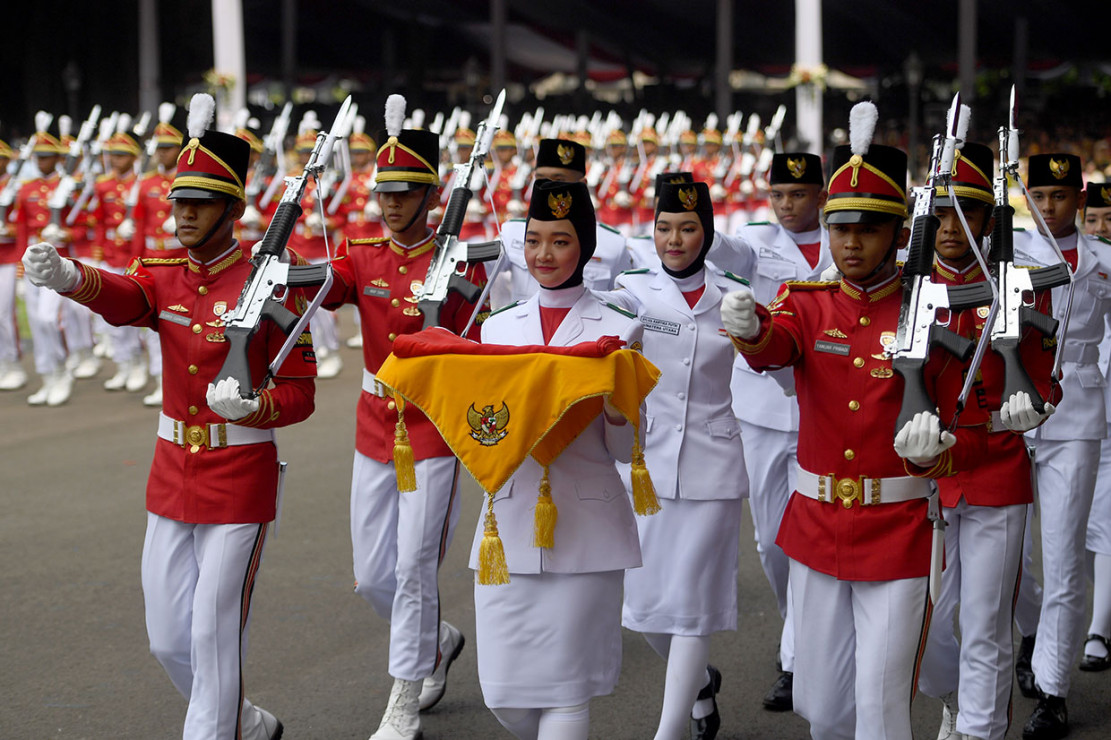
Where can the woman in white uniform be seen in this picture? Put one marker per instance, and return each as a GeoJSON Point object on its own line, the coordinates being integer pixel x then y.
{"type": "Point", "coordinates": [687, 589]}
{"type": "Point", "coordinates": [550, 639]}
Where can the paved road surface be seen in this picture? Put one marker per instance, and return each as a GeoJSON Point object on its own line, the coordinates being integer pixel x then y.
{"type": "Point", "coordinates": [73, 653]}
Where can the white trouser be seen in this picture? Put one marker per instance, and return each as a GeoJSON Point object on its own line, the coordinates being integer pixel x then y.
{"type": "Point", "coordinates": [323, 324]}
{"type": "Point", "coordinates": [153, 344]}
{"type": "Point", "coordinates": [43, 311]}
{"type": "Point", "coordinates": [983, 549]}
{"type": "Point", "coordinates": [1028, 607]}
{"type": "Point", "coordinates": [771, 459]}
{"type": "Point", "coordinates": [124, 340]}
{"type": "Point", "coordinates": [856, 644]}
{"type": "Point", "coordinates": [197, 585]}
{"type": "Point", "coordinates": [1066, 483]}
{"type": "Point", "coordinates": [398, 542]}
{"type": "Point", "coordinates": [9, 335]}
{"type": "Point", "coordinates": [1098, 538]}
{"type": "Point", "coordinates": [77, 325]}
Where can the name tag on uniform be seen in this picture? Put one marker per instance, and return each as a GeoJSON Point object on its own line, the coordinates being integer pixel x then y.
{"type": "Point", "coordinates": [831, 347]}
{"type": "Point", "coordinates": [664, 327]}
{"type": "Point", "coordinates": [173, 318]}
{"type": "Point", "coordinates": [376, 292]}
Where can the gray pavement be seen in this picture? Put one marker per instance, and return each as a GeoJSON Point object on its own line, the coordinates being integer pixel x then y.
{"type": "Point", "coordinates": [73, 654]}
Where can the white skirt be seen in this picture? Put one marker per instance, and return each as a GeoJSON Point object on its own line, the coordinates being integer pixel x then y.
{"type": "Point", "coordinates": [548, 639]}
{"type": "Point", "coordinates": [688, 583]}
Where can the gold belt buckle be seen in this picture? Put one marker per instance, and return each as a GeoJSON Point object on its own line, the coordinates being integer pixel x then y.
{"type": "Point", "coordinates": [848, 490]}
{"type": "Point", "coordinates": [196, 437]}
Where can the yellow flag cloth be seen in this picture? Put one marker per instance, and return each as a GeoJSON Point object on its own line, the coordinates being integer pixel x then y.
{"type": "Point", "coordinates": [496, 404]}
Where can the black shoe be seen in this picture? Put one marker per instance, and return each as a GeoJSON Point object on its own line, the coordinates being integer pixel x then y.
{"type": "Point", "coordinates": [1023, 672]}
{"type": "Point", "coordinates": [1091, 662]}
{"type": "Point", "coordinates": [707, 727]}
{"type": "Point", "coordinates": [1049, 721]}
{"type": "Point", "coordinates": [779, 698]}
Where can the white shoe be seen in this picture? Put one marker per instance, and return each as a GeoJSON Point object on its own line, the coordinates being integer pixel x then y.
{"type": "Point", "coordinates": [119, 380]}
{"type": "Point", "coordinates": [101, 350]}
{"type": "Point", "coordinates": [329, 364]}
{"type": "Point", "coordinates": [61, 388]}
{"type": "Point", "coordinates": [38, 398]}
{"type": "Point", "coordinates": [155, 397]}
{"type": "Point", "coordinates": [12, 376]}
{"type": "Point", "coordinates": [401, 720]}
{"type": "Point", "coordinates": [259, 724]}
{"type": "Point", "coordinates": [355, 342]}
{"type": "Point", "coordinates": [137, 377]}
{"type": "Point", "coordinates": [948, 729]}
{"type": "Point", "coordinates": [451, 644]}
{"type": "Point", "coordinates": [87, 365]}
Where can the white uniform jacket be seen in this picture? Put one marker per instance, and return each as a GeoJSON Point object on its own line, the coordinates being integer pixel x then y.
{"type": "Point", "coordinates": [757, 398]}
{"type": "Point", "coordinates": [596, 529]}
{"type": "Point", "coordinates": [1082, 412]}
{"type": "Point", "coordinates": [693, 441]}
{"type": "Point", "coordinates": [609, 260]}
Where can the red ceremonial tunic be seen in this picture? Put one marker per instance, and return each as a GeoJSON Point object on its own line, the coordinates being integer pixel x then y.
{"type": "Point", "coordinates": [32, 212]}
{"type": "Point", "coordinates": [150, 213]}
{"type": "Point", "coordinates": [380, 276]}
{"type": "Point", "coordinates": [8, 253]}
{"type": "Point", "coordinates": [1002, 476]}
{"type": "Point", "coordinates": [184, 301]}
{"type": "Point", "coordinates": [110, 209]}
{"type": "Point", "coordinates": [309, 243]}
{"type": "Point", "coordinates": [849, 398]}
{"type": "Point", "coordinates": [354, 223]}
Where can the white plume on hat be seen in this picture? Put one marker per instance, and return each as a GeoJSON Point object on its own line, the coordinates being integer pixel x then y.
{"type": "Point", "coordinates": [359, 124]}
{"type": "Point", "coordinates": [417, 118]}
{"type": "Point", "coordinates": [862, 126]}
{"type": "Point", "coordinates": [309, 122]}
{"type": "Point", "coordinates": [166, 112]}
{"type": "Point", "coordinates": [42, 121]}
{"type": "Point", "coordinates": [124, 123]}
{"type": "Point", "coordinates": [395, 114]}
{"type": "Point", "coordinates": [65, 126]}
{"type": "Point", "coordinates": [202, 109]}
{"type": "Point", "coordinates": [241, 117]}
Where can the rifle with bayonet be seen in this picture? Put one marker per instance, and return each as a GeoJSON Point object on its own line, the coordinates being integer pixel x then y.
{"type": "Point", "coordinates": [92, 166]}
{"type": "Point", "coordinates": [126, 229]}
{"type": "Point", "coordinates": [11, 188]}
{"type": "Point", "coordinates": [447, 271]}
{"type": "Point", "coordinates": [271, 163]}
{"type": "Point", "coordinates": [268, 286]}
{"type": "Point", "coordinates": [59, 199]}
{"type": "Point", "coordinates": [927, 307]}
{"type": "Point", "coordinates": [1016, 285]}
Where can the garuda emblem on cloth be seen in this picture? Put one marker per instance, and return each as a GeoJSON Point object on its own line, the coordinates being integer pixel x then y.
{"type": "Point", "coordinates": [488, 427]}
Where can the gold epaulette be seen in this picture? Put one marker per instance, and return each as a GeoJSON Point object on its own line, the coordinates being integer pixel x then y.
{"type": "Point", "coordinates": [102, 178]}
{"type": "Point", "coordinates": [812, 284]}
{"type": "Point", "coordinates": [149, 261]}
{"type": "Point", "coordinates": [377, 241]}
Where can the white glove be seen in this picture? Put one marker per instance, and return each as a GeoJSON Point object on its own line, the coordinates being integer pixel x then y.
{"type": "Point", "coordinates": [44, 267]}
{"type": "Point", "coordinates": [921, 440]}
{"type": "Point", "coordinates": [54, 234]}
{"type": "Point", "coordinates": [717, 193]}
{"type": "Point", "coordinates": [516, 207]}
{"type": "Point", "coordinates": [314, 223]}
{"type": "Point", "coordinates": [251, 217]}
{"type": "Point", "coordinates": [372, 209]}
{"type": "Point", "coordinates": [224, 399]}
{"type": "Point", "coordinates": [830, 275]}
{"type": "Point", "coordinates": [1018, 412]}
{"type": "Point", "coordinates": [126, 230]}
{"type": "Point", "coordinates": [623, 200]}
{"type": "Point", "coordinates": [747, 188]}
{"type": "Point", "coordinates": [738, 314]}
{"type": "Point", "coordinates": [476, 208]}
{"type": "Point", "coordinates": [170, 225]}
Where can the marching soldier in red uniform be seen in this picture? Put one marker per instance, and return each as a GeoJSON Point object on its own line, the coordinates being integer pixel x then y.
{"type": "Point", "coordinates": [215, 477]}
{"type": "Point", "coordinates": [360, 214]}
{"type": "Point", "coordinates": [474, 222]}
{"type": "Point", "coordinates": [505, 172]}
{"type": "Point", "coordinates": [12, 375]}
{"type": "Point", "coordinates": [856, 528]}
{"type": "Point", "coordinates": [250, 230]}
{"type": "Point", "coordinates": [399, 539]}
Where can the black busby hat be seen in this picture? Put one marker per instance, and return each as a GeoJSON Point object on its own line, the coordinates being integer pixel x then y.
{"type": "Point", "coordinates": [1099, 195]}
{"type": "Point", "coordinates": [212, 164]}
{"type": "Point", "coordinates": [561, 153]}
{"type": "Point", "coordinates": [410, 157]}
{"type": "Point", "coordinates": [796, 168]}
{"type": "Point", "coordinates": [972, 173]}
{"type": "Point", "coordinates": [1047, 170]}
{"type": "Point", "coordinates": [868, 184]}
{"type": "Point", "coordinates": [555, 201]}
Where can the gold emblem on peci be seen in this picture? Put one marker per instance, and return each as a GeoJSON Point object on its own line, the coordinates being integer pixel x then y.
{"type": "Point", "coordinates": [689, 198]}
{"type": "Point", "coordinates": [796, 166]}
{"type": "Point", "coordinates": [1104, 194]}
{"type": "Point", "coordinates": [488, 427]}
{"type": "Point", "coordinates": [1059, 168]}
{"type": "Point", "coordinates": [560, 203]}
{"type": "Point", "coordinates": [565, 153]}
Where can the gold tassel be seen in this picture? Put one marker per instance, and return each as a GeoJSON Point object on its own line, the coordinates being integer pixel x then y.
{"type": "Point", "coordinates": [492, 569]}
{"type": "Point", "coordinates": [546, 515]}
{"type": "Point", "coordinates": [403, 451]}
{"type": "Point", "coordinates": [644, 493]}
